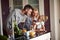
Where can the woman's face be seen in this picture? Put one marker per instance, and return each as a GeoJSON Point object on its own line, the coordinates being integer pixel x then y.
{"type": "Point", "coordinates": [36, 12]}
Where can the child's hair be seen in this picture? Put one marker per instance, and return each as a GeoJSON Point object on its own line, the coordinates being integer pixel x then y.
{"type": "Point", "coordinates": [40, 18]}
{"type": "Point", "coordinates": [46, 18]}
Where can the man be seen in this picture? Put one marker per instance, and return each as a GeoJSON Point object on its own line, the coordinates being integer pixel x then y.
{"type": "Point", "coordinates": [28, 21]}
{"type": "Point", "coordinates": [27, 9]}
{"type": "Point", "coordinates": [18, 16]}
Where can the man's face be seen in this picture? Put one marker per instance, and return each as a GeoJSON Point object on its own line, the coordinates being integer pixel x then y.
{"type": "Point", "coordinates": [28, 11]}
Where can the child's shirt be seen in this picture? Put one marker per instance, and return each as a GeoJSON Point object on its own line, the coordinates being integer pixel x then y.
{"type": "Point", "coordinates": [39, 24]}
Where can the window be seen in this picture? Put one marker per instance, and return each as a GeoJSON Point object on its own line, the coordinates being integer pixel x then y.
{"type": "Point", "coordinates": [34, 3]}
{"type": "Point", "coordinates": [18, 4]}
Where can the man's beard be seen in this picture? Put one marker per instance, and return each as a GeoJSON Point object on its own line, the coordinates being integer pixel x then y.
{"type": "Point", "coordinates": [25, 13]}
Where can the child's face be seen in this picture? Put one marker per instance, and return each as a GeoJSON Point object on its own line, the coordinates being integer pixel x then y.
{"type": "Point", "coordinates": [41, 17]}
{"type": "Point", "coordinates": [39, 20]}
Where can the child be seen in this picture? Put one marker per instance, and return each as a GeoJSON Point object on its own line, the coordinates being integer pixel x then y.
{"type": "Point", "coordinates": [40, 25]}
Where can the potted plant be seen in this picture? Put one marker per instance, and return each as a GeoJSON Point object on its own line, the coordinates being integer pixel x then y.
{"type": "Point", "coordinates": [3, 37]}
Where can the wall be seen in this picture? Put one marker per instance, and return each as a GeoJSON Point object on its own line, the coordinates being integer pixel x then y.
{"type": "Point", "coordinates": [1, 29]}
{"type": "Point", "coordinates": [41, 7]}
{"type": "Point", "coordinates": [59, 19]}
{"type": "Point", "coordinates": [54, 16]}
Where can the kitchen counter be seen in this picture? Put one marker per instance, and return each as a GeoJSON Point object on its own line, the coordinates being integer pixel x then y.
{"type": "Point", "coordinates": [45, 36]}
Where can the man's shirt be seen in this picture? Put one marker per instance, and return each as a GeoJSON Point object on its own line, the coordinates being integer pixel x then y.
{"type": "Point", "coordinates": [17, 16]}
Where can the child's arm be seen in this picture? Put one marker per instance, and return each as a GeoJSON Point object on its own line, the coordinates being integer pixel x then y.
{"type": "Point", "coordinates": [43, 27]}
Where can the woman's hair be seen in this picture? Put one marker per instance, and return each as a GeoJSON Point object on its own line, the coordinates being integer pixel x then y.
{"type": "Point", "coordinates": [39, 17]}
{"type": "Point", "coordinates": [35, 9]}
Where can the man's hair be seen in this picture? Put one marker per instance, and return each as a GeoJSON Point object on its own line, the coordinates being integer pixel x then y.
{"type": "Point", "coordinates": [28, 7]}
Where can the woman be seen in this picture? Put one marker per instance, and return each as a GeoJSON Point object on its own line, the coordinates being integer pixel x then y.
{"type": "Point", "coordinates": [35, 15]}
